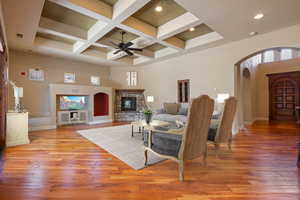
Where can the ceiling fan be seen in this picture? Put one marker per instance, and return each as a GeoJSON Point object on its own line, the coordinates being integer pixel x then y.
{"type": "Point", "coordinates": [125, 47]}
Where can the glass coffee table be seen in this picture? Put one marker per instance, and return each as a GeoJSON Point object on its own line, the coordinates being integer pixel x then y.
{"type": "Point", "coordinates": [142, 125]}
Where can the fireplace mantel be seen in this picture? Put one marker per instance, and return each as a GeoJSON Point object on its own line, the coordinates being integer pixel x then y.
{"type": "Point", "coordinates": [130, 90]}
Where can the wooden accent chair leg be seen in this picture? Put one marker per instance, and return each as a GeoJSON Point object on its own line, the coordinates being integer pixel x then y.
{"type": "Point", "coordinates": [229, 145]}
{"type": "Point", "coordinates": [146, 157]}
{"type": "Point", "coordinates": [217, 150]}
{"type": "Point", "coordinates": [204, 158]}
{"type": "Point", "coordinates": [181, 170]}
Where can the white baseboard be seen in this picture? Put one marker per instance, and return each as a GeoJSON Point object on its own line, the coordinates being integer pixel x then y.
{"type": "Point", "coordinates": [100, 121]}
{"type": "Point", "coordinates": [42, 127]}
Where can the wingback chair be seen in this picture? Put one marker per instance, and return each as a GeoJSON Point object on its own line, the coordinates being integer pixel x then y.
{"type": "Point", "coordinates": [190, 143]}
{"type": "Point", "coordinates": [220, 132]}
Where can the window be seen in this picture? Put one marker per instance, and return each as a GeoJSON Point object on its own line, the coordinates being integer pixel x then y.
{"type": "Point", "coordinates": [286, 54]}
{"type": "Point", "coordinates": [269, 56]}
{"type": "Point", "coordinates": [95, 80]}
{"type": "Point", "coordinates": [36, 75]}
{"type": "Point", "coordinates": [69, 78]}
{"type": "Point", "coordinates": [183, 91]}
{"type": "Point", "coordinates": [131, 78]}
{"type": "Point", "coordinates": [256, 60]}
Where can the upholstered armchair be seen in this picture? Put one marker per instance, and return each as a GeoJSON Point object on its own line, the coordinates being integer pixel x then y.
{"type": "Point", "coordinates": [220, 131]}
{"type": "Point", "coordinates": [187, 143]}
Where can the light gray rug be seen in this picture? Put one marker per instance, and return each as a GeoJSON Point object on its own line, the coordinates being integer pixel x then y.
{"type": "Point", "coordinates": [117, 140]}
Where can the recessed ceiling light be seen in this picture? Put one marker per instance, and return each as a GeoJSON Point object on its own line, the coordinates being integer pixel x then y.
{"type": "Point", "coordinates": [259, 16]}
{"type": "Point", "coordinates": [158, 8]}
{"type": "Point", "coordinates": [192, 29]}
{"type": "Point", "coordinates": [253, 33]}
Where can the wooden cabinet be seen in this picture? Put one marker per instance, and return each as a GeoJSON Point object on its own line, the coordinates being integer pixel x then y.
{"type": "Point", "coordinates": [17, 129]}
{"type": "Point", "coordinates": [72, 117]}
{"type": "Point", "coordinates": [3, 89]}
{"type": "Point", "coordinates": [284, 95]}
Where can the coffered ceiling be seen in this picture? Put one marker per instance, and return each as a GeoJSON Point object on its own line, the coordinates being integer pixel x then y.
{"type": "Point", "coordinates": [86, 30]}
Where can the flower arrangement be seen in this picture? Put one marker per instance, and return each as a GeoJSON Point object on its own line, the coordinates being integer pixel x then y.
{"type": "Point", "coordinates": [148, 115]}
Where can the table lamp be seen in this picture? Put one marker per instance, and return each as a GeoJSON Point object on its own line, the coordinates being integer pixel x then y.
{"type": "Point", "coordinates": [150, 100]}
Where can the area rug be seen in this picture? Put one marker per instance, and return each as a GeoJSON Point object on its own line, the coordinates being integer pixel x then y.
{"type": "Point", "coordinates": [117, 140]}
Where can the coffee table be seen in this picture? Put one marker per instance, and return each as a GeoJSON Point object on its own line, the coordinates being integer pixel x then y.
{"type": "Point", "coordinates": [142, 125]}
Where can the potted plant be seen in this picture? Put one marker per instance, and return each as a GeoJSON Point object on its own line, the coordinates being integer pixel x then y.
{"type": "Point", "coordinates": [148, 115]}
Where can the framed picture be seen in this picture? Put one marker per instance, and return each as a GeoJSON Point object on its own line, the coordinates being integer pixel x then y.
{"type": "Point", "coordinates": [95, 80]}
{"type": "Point", "coordinates": [36, 75]}
{"type": "Point", "coordinates": [69, 78]}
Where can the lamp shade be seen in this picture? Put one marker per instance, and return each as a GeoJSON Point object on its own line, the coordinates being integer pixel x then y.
{"type": "Point", "coordinates": [18, 92]}
{"type": "Point", "coordinates": [222, 97]}
{"type": "Point", "coordinates": [150, 99]}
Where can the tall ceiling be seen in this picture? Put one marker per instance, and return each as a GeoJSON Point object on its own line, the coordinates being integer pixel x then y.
{"type": "Point", "coordinates": [86, 30]}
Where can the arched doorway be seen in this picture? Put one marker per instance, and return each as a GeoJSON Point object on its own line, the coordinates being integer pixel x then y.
{"type": "Point", "coordinates": [101, 104]}
{"type": "Point", "coordinates": [247, 87]}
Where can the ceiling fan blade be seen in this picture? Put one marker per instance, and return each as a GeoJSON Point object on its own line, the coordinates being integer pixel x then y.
{"type": "Point", "coordinates": [129, 53]}
{"type": "Point", "coordinates": [135, 49]}
{"type": "Point", "coordinates": [116, 52]}
{"type": "Point", "coordinates": [128, 44]}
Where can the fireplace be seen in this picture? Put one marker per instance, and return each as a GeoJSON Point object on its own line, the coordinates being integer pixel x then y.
{"type": "Point", "coordinates": [128, 104]}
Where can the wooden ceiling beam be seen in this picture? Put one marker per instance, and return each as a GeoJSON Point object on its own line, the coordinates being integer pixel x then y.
{"type": "Point", "coordinates": [120, 16]}
{"type": "Point", "coordinates": [92, 8]}
{"type": "Point", "coordinates": [100, 29]}
{"type": "Point", "coordinates": [141, 26]}
{"type": "Point", "coordinates": [176, 42]}
{"type": "Point", "coordinates": [50, 26]}
{"type": "Point", "coordinates": [177, 25]}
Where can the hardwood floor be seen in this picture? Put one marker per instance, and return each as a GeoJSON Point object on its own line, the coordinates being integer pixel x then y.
{"type": "Point", "coordinates": [60, 164]}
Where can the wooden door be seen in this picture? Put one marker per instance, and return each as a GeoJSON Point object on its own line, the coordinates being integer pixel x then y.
{"type": "Point", "coordinates": [284, 96]}
{"type": "Point", "coordinates": [3, 90]}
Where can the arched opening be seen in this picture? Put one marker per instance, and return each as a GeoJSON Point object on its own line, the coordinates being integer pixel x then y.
{"type": "Point", "coordinates": [101, 104]}
{"type": "Point", "coordinates": [251, 81]}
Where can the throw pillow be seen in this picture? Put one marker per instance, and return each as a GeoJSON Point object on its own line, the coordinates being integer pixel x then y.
{"type": "Point", "coordinates": [171, 108]}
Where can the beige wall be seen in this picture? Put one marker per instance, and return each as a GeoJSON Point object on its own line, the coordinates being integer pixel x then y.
{"type": "Point", "coordinates": [211, 71]}
{"type": "Point", "coordinates": [262, 95]}
{"type": "Point", "coordinates": [36, 93]}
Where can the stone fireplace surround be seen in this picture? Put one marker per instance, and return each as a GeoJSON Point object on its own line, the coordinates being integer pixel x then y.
{"type": "Point", "coordinates": [129, 115]}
